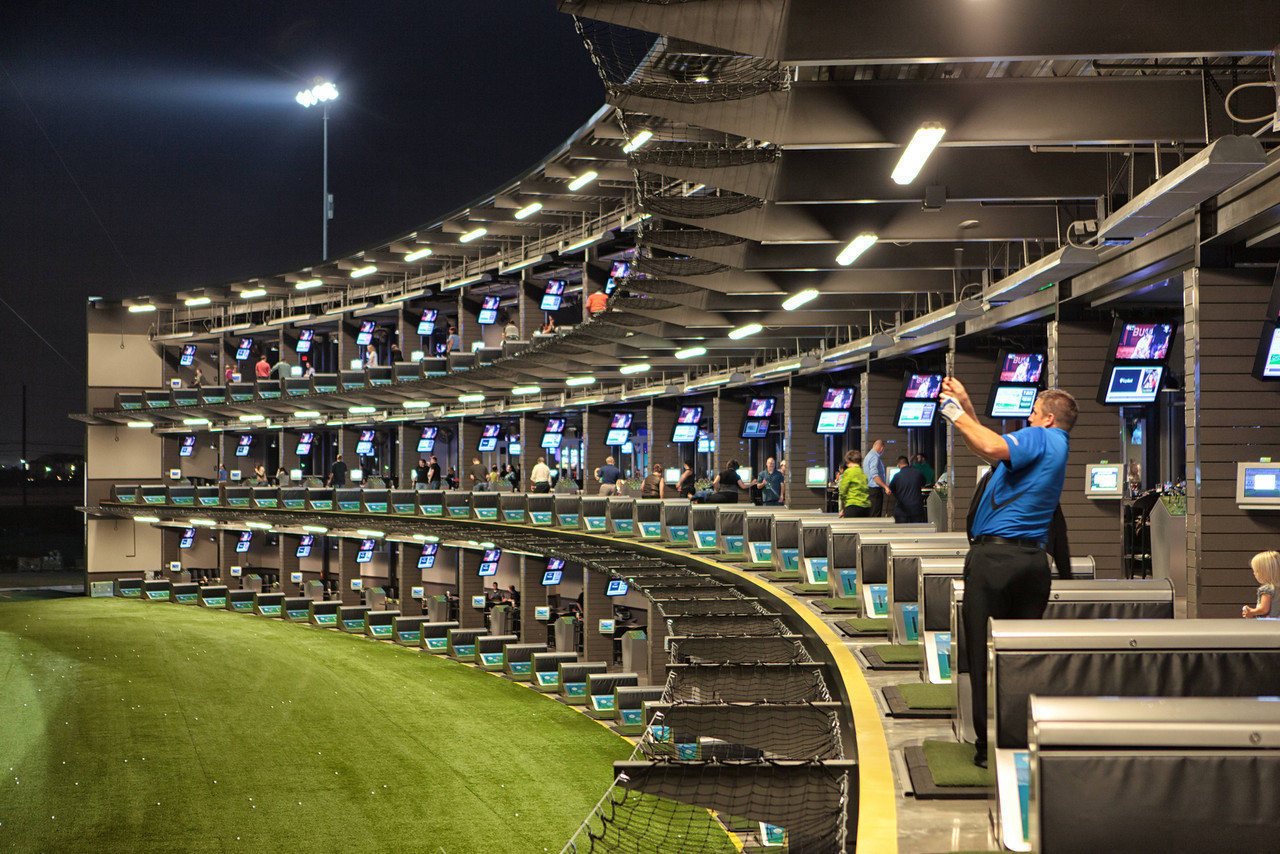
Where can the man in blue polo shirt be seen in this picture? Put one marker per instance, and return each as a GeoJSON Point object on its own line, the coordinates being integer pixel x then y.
{"type": "Point", "coordinates": [1007, 569]}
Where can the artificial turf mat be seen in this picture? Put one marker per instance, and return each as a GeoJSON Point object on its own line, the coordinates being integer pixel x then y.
{"type": "Point", "coordinates": [951, 763]}
{"type": "Point", "coordinates": [843, 603]}
{"type": "Point", "coordinates": [806, 589]}
{"type": "Point", "coordinates": [858, 626]}
{"type": "Point", "coordinates": [923, 695]}
{"type": "Point", "coordinates": [134, 726]}
{"type": "Point", "coordinates": [892, 653]}
{"type": "Point", "coordinates": [783, 576]}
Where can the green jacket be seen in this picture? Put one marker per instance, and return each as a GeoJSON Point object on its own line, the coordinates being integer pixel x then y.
{"type": "Point", "coordinates": [853, 487]}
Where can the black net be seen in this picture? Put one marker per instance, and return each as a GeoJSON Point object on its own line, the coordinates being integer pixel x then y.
{"type": "Point", "coordinates": [679, 266]}
{"type": "Point", "coordinates": [728, 624]}
{"type": "Point", "coordinates": [747, 730]}
{"type": "Point", "coordinates": [717, 203]}
{"type": "Point", "coordinates": [705, 607]}
{"type": "Point", "coordinates": [705, 155]}
{"type": "Point", "coordinates": [655, 286]}
{"type": "Point", "coordinates": [738, 683]}
{"type": "Point", "coordinates": [744, 649]}
{"type": "Point", "coordinates": [690, 238]}
{"type": "Point", "coordinates": [642, 303]}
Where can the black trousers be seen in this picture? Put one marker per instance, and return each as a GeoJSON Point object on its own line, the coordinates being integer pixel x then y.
{"type": "Point", "coordinates": [1001, 582]}
{"type": "Point", "coordinates": [855, 511]}
{"type": "Point", "coordinates": [877, 502]}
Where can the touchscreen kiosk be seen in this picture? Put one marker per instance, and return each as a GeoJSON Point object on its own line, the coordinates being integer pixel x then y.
{"type": "Point", "coordinates": [686, 428]}
{"type": "Point", "coordinates": [916, 413]}
{"type": "Point", "coordinates": [1266, 365]}
{"type": "Point", "coordinates": [552, 296]}
{"type": "Point", "coordinates": [188, 355]}
{"type": "Point", "coordinates": [552, 577]}
{"type": "Point", "coordinates": [365, 554]}
{"type": "Point", "coordinates": [1012, 401]}
{"type": "Point", "coordinates": [1104, 480]}
{"type": "Point", "coordinates": [305, 337]}
{"type": "Point", "coordinates": [304, 545]}
{"type": "Point", "coordinates": [188, 446]}
{"type": "Point", "coordinates": [617, 587]}
{"type": "Point", "coordinates": [617, 437]}
{"type": "Point", "coordinates": [755, 428]}
{"type": "Point", "coordinates": [365, 335]}
{"type": "Point", "coordinates": [489, 563]}
{"type": "Point", "coordinates": [489, 437]}
{"type": "Point", "coordinates": [305, 441]}
{"type": "Point", "coordinates": [1258, 486]}
{"type": "Point", "coordinates": [671, 476]}
{"type": "Point", "coordinates": [831, 422]}
{"type": "Point", "coordinates": [246, 540]}
{"type": "Point", "coordinates": [815, 476]}
{"type": "Point", "coordinates": [427, 441]}
{"type": "Point", "coordinates": [488, 311]}
{"type": "Point", "coordinates": [364, 447]}
{"type": "Point", "coordinates": [427, 559]}
{"type": "Point", "coordinates": [427, 323]}
{"type": "Point", "coordinates": [1133, 384]}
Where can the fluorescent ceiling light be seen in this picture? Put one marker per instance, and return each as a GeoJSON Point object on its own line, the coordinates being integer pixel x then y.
{"type": "Point", "coordinates": [362, 410]}
{"type": "Point", "coordinates": [690, 352]}
{"type": "Point", "coordinates": [364, 271]}
{"type": "Point", "coordinates": [860, 347]}
{"type": "Point", "coordinates": [859, 244]}
{"type": "Point", "coordinates": [146, 518]}
{"type": "Point", "coordinates": [528, 262]}
{"type": "Point", "coordinates": [1051, 269]}
{"type": "Point", "coordinates": [307, 285]}
{"type": "Point", "coordinates": [744, 331]}
{"type": "Point", "coordinates": [470, 280]}
{"type": "Point", "coordinates": [713, 380]}
{"type": "Point", "coordinates": [943, 318]}
{"type": "Point", "coordinates": [195, 421]}
{"type": "Point", "coordinates": [197, 301]}
{"type": "Point", "coordinates": [315, 529]}
{"type": "Point", "coordinates": [577, 381]}
{"type": "Point", "coordinates": [203, 523]}
{"type": "Point", "coordinates": [135, 309]}
{"type": "Point", "coordinates": [926, 139]}
{"type": "Point", "coordinates": [583, 180]}
{"type": "Point", "coordinates": [262, 526]}
{"type": "Point", "coordinates": [140, 425]}
{"type": "Point", "coordinates": [421, 253]}
{"type": "Point", "coordinates": [253, 294]}
{"type": "Point", "coordinates": [634, 369]}
{"type": "Point", "coordinates": [470, 398]}
{"type": "Point", "coordinates": [307, 413]}
{"type": "Point", "coordinates": [636, 141]}
{"type": "Point", "coordinates": [473, 234]}
{"type": "Point", "coordinates": [805, 296]}
{"type": "Point", "coordinates": [527, 389]}
{"type": "Point", "coordinates": [366, 532]}
{"type": "Point", "coordinates": [529, 210]}
{"type": "Point", "coordinates": [416, 404]}
{"type": "Point", "coordinates": [584, 243]}
{"type": "Point", "coordinates": [252, 417]}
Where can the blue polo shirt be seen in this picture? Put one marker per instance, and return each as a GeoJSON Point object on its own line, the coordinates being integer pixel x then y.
{"type": "Point", "coordinates": [874, 467]}
{"type": "Point", "coordinates": [1021, 496]}
{"type": "Point", "coordinates": [609, 474]}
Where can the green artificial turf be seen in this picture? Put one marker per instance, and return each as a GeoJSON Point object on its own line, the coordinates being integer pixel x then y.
{"type": "Point", "coordinates": [869, 625]}
{"type": "Point", "coordinates": [133, 726]}
{"type": "Point", "coordinates": [811, 588]}
{"type": "Point", "coordinates": [922, 695]}
{"type": "Point", "coordinates": [951, 764]}
{"type": "Point", "coordinates": [842, 604]}
{"type": "Point", "coordinates": [892, 653]}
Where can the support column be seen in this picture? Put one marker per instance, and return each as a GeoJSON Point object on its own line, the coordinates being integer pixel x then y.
{"type": "Point", "coordinates": [596, 607]}
{"type": "Point", "coordinates": [410, 577]}
{"type": "Point", "coordinates": [289, 563]}
{"type": "Point", "coordinates": [660, 420]}
{"type": "Point", "coordinates": [727, 415]}
{"type": "Point", "coordinates": [528, 307]}
{"type": "Point", "coordinates": [468, 437]}
{"type": "Point", "coordinates": [595, 428]}
{"type": "Point", "coordinates": [469, 584]}
{"type": "Point", "coordinates": [532, 596]}
{"type": "Point", "coordinates": [804, 448]}
{"type": "Point", "coordinates": [346, 570]}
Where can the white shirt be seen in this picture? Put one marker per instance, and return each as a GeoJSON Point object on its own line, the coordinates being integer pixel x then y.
{"type": "Point", "coordinates": [541, 473]}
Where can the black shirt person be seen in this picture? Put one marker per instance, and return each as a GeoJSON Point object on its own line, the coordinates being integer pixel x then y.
{"type": "Point", "coordinates": [907, 486]}
{"type": "Point", "coordinates": [338, 474]}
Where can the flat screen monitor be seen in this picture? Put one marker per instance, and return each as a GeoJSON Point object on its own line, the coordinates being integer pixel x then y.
{"type": "Point", "coordinates": [686, 429]}
{"type": "Point", "coordinates": [1133, 384]}
{"type": "Point", "coordinates": [755, 428]}
{"type": "Point", "coordinates": [365, 335]}
{"type": "Point", "coordinates": [833, 421]}
{"type": "Point", "coordinates": [242, 448]}
{"type": "Point", "coordinates": [188, 538]}
{"type": "Point", "coordinates": [487, 445]}
{"type": "Point", "coordinates": [1020, 367]}
{"type": "Point", "coordinates": [427, 441]}
{"type": "Point", "coordinates": [427, 559]}
{"type": "Point", "coordinates": [1012, 401]}
{"type": "Point", "coordinates": [1266, 365]}
{"type": "Point", "coordinates": [356, 475]}
{"type": "Point", "coordinates": [490, 431]}
{"type": "Point", "coordinates": [1141, 341]}
{"type": "Point", "coordinates": [427, 322]}
{"type": "Point", "coordinates": [706, 444]}
{"type": "Point", "coordinates": [689, 415]}
{"type": "Point", "coordinates": [621, 420]}
{"type": "Point", "coordinates": [619, 271]}
{"type": "Point", "coordinates": [304, 545]}
{"type": "Point", "coordinates": [555, 425]}
{"type": "Point", "coordinates": [188, 446]}
{"type": "Point", "coordinates": [617, 587]}
{"type": "Point", "coordinates": [553, 296]}
{"type": "Point", "coordinates": [246, 540]}
{"type": "Point", "coordinates": [365, 553]}
{"type": "Point", "coordinates": [815, 476]}
{"type": "Point", "coordinates": [364, 448]}
{"type": "Point", "coordinates": [922, 386]}
{"type": "Point", "coordinates": [552, 577]}
{"type": "Point", "coordinates": [1258, 485]}
{"type": "Point", "coordinates": [513, 448]}
{"type": "Point", "coordinates": [760, 407]}
{"type": "Point", "coordinates": [745, 474]}
{"type": "Point", "coordinates": [916, 413]}
{"type": "Point", "coordinates": [488, 311]}
{"type": "Point", "coordinates": [555, 563]}
{"type": "Point", "coordinates": [489, 562]}
{"type": "Point", "coordinates": [551, 440]}
{"type": "Point", "coordinates": [838, 398]}
{"type": "Point", "coordinates": [305, 337]}
{"type": "Point", "coordinates": [617, 437]}
{"type": "Point", "coordinates": [671, 476]}
{"type": "Point", "coordinates": [305, 441]}
{"type": "Point", "coordinates": [245, 348]}
{"type": "Point", "coordinates": [188, 357]}
{"type": "Point", "coordinates": [1104, 481]}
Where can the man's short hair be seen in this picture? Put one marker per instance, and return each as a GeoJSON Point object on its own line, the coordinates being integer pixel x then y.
{"type": "Point", "coordinates": [903, 461]}
{"type": "Point", "coordinates": [608, 461]}
{"type": "Point", "coordinates": [1062, 405]}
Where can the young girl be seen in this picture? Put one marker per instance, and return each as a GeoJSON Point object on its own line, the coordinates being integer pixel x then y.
{"type": "Point", "coordinates": [1266, 568]}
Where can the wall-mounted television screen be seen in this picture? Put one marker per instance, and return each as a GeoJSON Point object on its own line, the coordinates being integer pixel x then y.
{"type": "Point", "coordinates": [365, 335]}
{"type": "Point", "coordinates": [489, 311]}
{"type": "Point", "coordinates": [686, 429]}
{"type": "Point", "coordinates": [551, 440]}
{"type": "Point", "coordinates": [513, 448]}
{"type": "Point", "coordinates": [620, 270]}
{"type": "Point", "coordinates": [552, 577]}
{"type": "Point", "coordinates": [838, 398]}
{"type": "Point", "coordinates": [1133, 384]}
{"type": "Point", "coordinates": [832, 422]}
{"type": "Point", "coordinates": [1012, 401]}
{"type": "Point", "coordinates": [489, 437]}
{"type": "Point", "coordinates": [760, 407]}
{"type": "Point", "coordinates": [555, 425]}
{"type": "Point", "coordinates": [427, 323]}
{"type": "Point", "coordinates": [617, 587]}
{"type": "Point", "coordinates": [364, 448]}
{"type": "Point", "coordinates": [706, 445]}
{"type": "Point", "coordinates": [815, 476]}
{"type": "Point", "coordinates": [1258, 485]}
{"type": "Point", "coordinates": [489, 562]}
{"type": "Point", "coordinates": [427, 441]}
{"type": "Point", "coordinates": [555, 563]}
{"type": "Point", "coordinates": [304, 545]}
{"type": "Point", "coordinates": [245, 348]}
{"type": "Point", "coordinates": [1020, 367]}
{"type": "Point", "coordinates": [188, 538]}
{"type": "Point", "coordinates": [305, 441]}
{"type": "Point", "coordinates": [621, 421]}
{"type": "Point", "coordinates": [246, 540]}
{"type": "Point", "coordinates": [242, 448]}
{"type": "Point", "coordinates": [922, 386]}
{"type": "Point", "coordinates": [487, 445]}
{"type": "Point", "coordinates": [1266, 365]}
{"type": "Point", "coordinates": [188, 446]}
{"type": "Point", "coordinates": [553, 296]}
{"type": "Point", "coordinates": [188, 357]}
{"type": "Point", "coordinates": [754, 428]}
{"type": "Point", "coordinates": [916, 413]}
{"type": "Point", "coordinates": [1140, 341]}
{"type": "Point", "coordinates": [427, 559]}
{"type": "Point", "coordinates": [1104, 481]}
{"type": "Point", "coordinates": [617, 437]}
{"type": "Point", "coordinates": [365, 552]}
{"type": "Point", "coordinates": [305, 337]}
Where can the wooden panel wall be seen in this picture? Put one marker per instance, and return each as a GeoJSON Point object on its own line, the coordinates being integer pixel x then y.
{"type": "Point", "coordinates": [1077, 357]}
{"type": "Point", "coordinates": [728, 412]}
{"type": "Point", "coordinates": [879, 407]}
{"type": "Point", "coordinates": [660, 419]}
{"type": "Point", "coordinates": [1231, 418]}
{"type": "Point", "coordinates": [804, 447]}
{"type": "Point", "coordinates": [595, 424]}
{"type": "Point", "coordinates": [975, 371]}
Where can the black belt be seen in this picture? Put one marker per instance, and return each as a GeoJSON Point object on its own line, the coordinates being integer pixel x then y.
{"type": "Point", "coordinates": [993, 540]}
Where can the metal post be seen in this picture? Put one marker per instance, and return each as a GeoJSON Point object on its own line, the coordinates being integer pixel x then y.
{"type": "Point", "coordinates": [324, 224]}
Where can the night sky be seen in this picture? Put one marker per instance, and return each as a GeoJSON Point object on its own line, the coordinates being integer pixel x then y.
{"type": "Point", "coordinates": [154, 146]}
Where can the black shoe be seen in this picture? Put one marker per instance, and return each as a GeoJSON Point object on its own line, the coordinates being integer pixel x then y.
{"type": "Point", "coordinates": [980, 757]}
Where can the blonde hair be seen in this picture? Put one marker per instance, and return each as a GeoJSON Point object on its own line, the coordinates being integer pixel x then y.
{"type": "Point", "coordinates": [1266, 565]}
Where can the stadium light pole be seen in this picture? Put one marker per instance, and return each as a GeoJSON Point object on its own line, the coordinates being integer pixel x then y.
{"type": "Point", "coordinates": [322, 92]}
